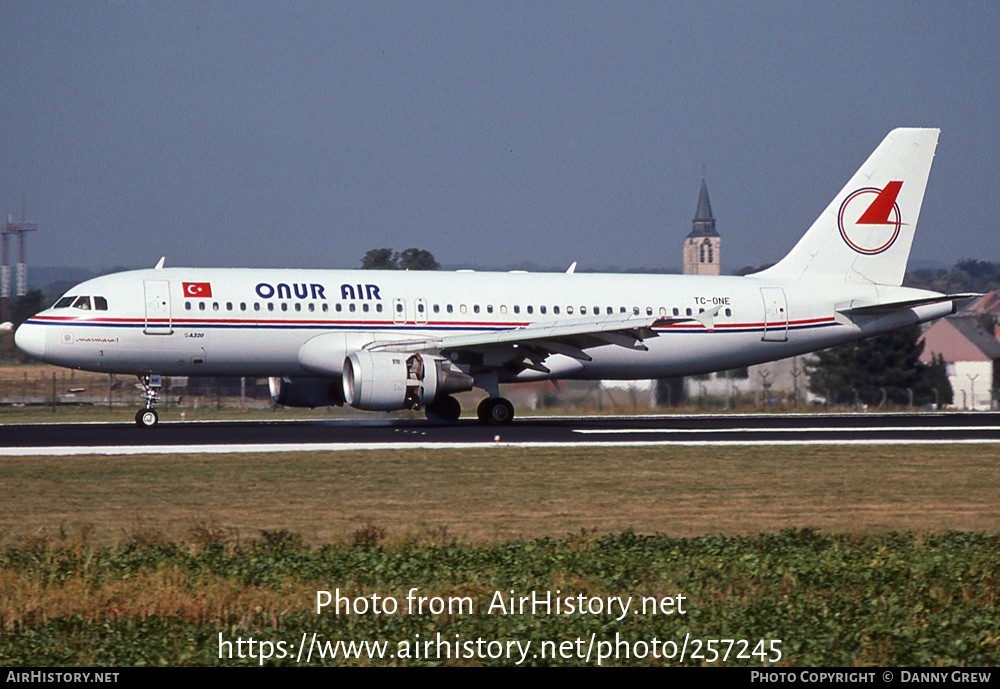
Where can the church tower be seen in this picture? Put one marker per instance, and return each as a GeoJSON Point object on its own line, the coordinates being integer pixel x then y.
{"type": "Point", "coordinates": [702, 246]}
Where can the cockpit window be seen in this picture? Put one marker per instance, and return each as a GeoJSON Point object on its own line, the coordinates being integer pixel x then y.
{"type": "Point", "coordinates": [82, 303]}
{"type": "Point", "coordinates": [100, 304]}
{"type": "Point", "coordinates": [64, 302]}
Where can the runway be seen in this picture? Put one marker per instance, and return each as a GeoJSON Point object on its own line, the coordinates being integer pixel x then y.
{"type": "Point", "coordinates": [388, 434]}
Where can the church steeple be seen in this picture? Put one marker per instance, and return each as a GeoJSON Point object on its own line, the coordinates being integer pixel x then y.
{"type": "Point", "coordinates": [702, 246]}
{"type": "Point", "coordinates": [703, 224]}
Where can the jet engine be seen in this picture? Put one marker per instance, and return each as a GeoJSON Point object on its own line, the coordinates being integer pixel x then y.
{"type": "Point", "coordinates": [306, 392]}
{"type": "Point", "coordinates": [387, 381]}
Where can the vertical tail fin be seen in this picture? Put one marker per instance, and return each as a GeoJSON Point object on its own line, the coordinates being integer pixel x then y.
{"type": "Point", "coordinates": [865, 234]}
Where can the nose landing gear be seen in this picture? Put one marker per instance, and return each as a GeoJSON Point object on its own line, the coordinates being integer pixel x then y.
{"type": "Point", "coordinates": [147, 418]}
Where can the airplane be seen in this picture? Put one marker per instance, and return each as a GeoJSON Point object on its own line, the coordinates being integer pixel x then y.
{"type": "Point", "coordinates": [392, 340]}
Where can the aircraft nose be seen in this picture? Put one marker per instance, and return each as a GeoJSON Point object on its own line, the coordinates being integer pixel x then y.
{"type": "Point", "coordinates": [30, 339]}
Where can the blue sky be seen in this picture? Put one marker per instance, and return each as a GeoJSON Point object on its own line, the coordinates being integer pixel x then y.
{"type": "Point", "coordinates": [300, 134]}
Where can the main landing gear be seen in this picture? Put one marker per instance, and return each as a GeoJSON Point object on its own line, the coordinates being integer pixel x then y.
{"type": "Point", "coordinates": [445, 410]}
{"type": "Point", "coordinates": [495, 411]}
{"type": "Point", "coordinates": [492, 411]}
{"type": "Point", "coordinates": [147, 418]}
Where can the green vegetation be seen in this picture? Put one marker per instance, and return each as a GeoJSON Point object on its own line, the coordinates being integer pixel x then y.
{"type": "Point", "coordinates": [894, 599]}
{"type": "Point", "coordinates": [968, 275]}
{"type": "Point", "coordinates": [407, 259]}
{"type": "Point", "coordinates": [880, 370]}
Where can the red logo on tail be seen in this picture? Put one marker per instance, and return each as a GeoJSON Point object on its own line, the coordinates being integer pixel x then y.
{"type": "Point", "coordinates": [870, 225]}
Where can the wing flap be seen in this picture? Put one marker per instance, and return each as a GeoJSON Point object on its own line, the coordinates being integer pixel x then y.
{"type": "Point", "coordinates": [569, 337]}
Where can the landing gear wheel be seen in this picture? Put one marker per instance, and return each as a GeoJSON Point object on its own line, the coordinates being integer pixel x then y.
{"type": "Point", "coordinates": [446, 410]}
{"type": "Point", "coordinates": [495, 411]}
{"type": "Point", "coordinates": [146, 418]}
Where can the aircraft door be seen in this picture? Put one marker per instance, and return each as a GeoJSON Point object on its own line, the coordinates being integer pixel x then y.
{"type": "Point", "coordinates": [399, 310]}
{"type": "Point", "coordinates": [775, 314]}
{"type": "Point", "coordinates": [157, 296]}
{"type": "Point", "coordinates": [421, 311]}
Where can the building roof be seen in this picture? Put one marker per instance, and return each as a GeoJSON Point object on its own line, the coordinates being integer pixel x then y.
{"type": "Point", "coordinates": [703, 224]}
{"type": "Point", "coordinates": [988, 303]}
{"type": "Point", "coordinates": [960, 338]}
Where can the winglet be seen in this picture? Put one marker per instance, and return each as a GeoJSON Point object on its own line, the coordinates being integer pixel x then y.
{"type": "Point", "coordinates": [571, 269]}
{"type": "Point", "coordinates": [159, 264]}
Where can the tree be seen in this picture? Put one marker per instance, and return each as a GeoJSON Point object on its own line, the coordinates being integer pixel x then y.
{"type": "Point", "coordinates": [408, 259]}
{"type": "Point", "coordinates": [379, 259]}
{"type": "Point", "coordinates": [889, 363]}
{"type": "Point", "coordinates": [417, 259]}
{"type": "Point", "coordinates": [937, 376]}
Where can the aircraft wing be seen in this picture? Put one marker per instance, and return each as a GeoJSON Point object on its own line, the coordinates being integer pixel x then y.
{"type": "Point", "coordinates": [533, 343]}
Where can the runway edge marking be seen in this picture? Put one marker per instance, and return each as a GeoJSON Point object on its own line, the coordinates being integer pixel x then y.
{"type": "Point", "coordinates": [348, 447]}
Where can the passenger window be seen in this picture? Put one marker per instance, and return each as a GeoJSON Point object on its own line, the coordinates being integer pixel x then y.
{"type": "Point", "coordinates": [82, 303]}
{"type": "Point", "coordinates": [663, 311]}
{"type": "Point", "coordinates": [420, 307]}
{"type": "Point", "coordinates": [475, 309]}
{"type": "Point", "coordinates": [729, 312]}
{"type": "Point", "coordinates": [530, 309]}
{"type": "Point", "coordinates": [687, 312]}
{"type": "Point", "coordinates": [517, 309]}
{"type": "Point", "coordinates": [677, 311]}
{"type": "Point", "coordinates": [635, 310]}
{"type": "Point", "coordinates": [270, 306]}
{"type": "Point", "coordinates": [583, 310]}
{"type": "Point", "coordinates": [449, 308]}
{"type": "Point", "coordinates": [243, 306]}
{"type": "Point", "coordinates": [437, 308]}
{"type": "Point", "coordinates": [284, 306]}
{"type": "Point", "coordinates": [201, 306]}
{"type": "Point", "coordinates": [351, 307]}
{"type": "Point", "coordinates": [339, 307]}
{"type": "Point", "coordinates": [399, 307]}
{"type": "Point", "coordinates": [326, 307]}
{"type": "Point", "coordinates": [100, 304]}
{"type": "Point", "coordinates": [489, 309]}
{"type": "Point", "coordinates": [256, 306]}
{"type": "Point", "coordinates": [229, 306]}
{"type": "Point", "coordinates": [555, 310]}
{"type": "Point", "coordinates": [364, 307]}
{"type": "Point", "coordinates": [463, 308]}
{"type": "Point", "coordinates": [298, 306]}
{"type": "Point", "coordinates": [312, 307]}
{"type": "Point", "coordinates": [215, 306]}
{"type": "Point", "coordinates": [649, 310]}
{"type": "Point", "coordinates": [187, 306]}
{"type": "Point", "coordinates": [610, 310]}
{"type": "Point", "coordinates": [541, 309]}
{"type": "Point", "coordinates": [378, 307]}
{"type": "Point", "coordinates": [622, 309]}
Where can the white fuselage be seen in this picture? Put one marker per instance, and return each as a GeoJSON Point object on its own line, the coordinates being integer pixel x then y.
{"type": "Point", "coordinates": [256, 321]}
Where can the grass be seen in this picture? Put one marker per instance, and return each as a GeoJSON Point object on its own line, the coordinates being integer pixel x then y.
{"type": "Point", "coordinates": [498, 494]}
{"type": "Point", "coordinates": [891, 599]}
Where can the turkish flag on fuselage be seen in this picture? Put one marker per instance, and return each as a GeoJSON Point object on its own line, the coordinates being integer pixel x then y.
{"type": "Point", "coordinates": [199, 290]}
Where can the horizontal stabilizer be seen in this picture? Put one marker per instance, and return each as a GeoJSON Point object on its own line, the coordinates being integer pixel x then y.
{"type": "Point", "coordinates": [877, 309]}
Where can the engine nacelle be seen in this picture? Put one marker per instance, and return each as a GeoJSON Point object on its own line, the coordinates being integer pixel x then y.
{"type": "Point", "coordinates": [306, 392]}
{"type": "Point", "coordinates": [388, 381]}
